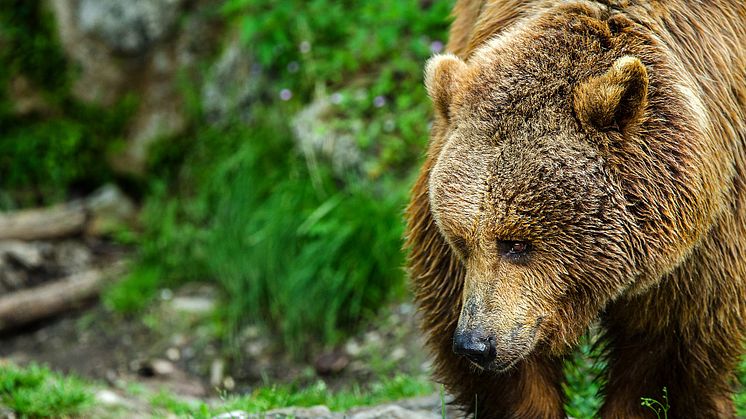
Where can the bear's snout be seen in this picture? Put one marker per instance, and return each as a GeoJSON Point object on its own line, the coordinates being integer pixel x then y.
{"type": "Point", "coordinates": [496, 353]}
{"type": "Point", "coordinates": [475, 346]}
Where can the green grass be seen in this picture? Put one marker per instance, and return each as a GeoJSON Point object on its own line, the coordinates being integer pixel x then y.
{"type": "Point", "coordinates": [36, 391]}
{"type": "Point", "coordinates": [278, 396]}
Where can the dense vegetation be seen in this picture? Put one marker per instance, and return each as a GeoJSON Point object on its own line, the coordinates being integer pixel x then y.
{"type": "Point", "coordinates": [241, 206]}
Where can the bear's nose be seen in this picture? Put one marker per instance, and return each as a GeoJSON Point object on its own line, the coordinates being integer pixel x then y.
{"type": "Point", "coordinates": [475, 346]}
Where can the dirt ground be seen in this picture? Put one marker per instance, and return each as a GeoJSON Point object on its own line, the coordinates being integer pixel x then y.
{"type": "Point", "coordinates": [175, 345]}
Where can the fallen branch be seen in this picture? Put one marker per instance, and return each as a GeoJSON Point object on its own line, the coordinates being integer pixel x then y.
{"type": "Point", "coordinates": [26, 306]}
{"type": "Point", "coordinates": [46, 223]}
{"type": "Point", "coordinates": [94, 215]}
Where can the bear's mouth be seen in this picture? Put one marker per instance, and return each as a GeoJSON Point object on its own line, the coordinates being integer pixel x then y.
{"type": "Point", "coordinates": [507, 355]}
{"type": "Point", "coordinates": [499, 366]}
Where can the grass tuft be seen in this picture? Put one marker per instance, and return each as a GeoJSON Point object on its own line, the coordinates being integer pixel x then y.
{"type": "Point", "coordinates": [36, 391]}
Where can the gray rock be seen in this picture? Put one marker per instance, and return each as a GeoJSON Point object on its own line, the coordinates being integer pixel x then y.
{"type": "Point", "coordinates": [7, 413]}
{"type": "Point", "coordinates": [217, 372]}
{"type": "Point", "coordinates": [322, 138]}
{"type": "Point", "coordinates": [109, 209]}
{"type": "Point", "coordinates": [193, 304]}
{"type": "Point", "coordinates": [234, 414]}
{"type": "Point", "coordinates": [129, 27]}
{"type": "Point", "coordinates": [139, 47]}
{"type": "Point", "coordinates": [232, 85]}
{"type": "Point", "coordinates": [27, 255]}
{"type": "Point", "coordinates": [391, 411]}
{"type": "Point", "coordinates": [315, 412]}
{"type": "Point", "coordinates": [69, 256]}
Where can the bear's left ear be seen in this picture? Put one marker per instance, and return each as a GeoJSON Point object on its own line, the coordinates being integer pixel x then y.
{"type": "Point", "coordinates": [441, 76]}
{"type": "Point", "coordinates": [615, 99]}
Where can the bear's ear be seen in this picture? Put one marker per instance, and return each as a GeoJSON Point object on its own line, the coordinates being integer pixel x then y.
{"type": "Point", "coordinates": [441, 76]}
{"type": "Point", "coordinates": [615, 99]}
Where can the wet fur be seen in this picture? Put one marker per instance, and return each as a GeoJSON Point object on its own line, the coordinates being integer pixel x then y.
{"type": "Point", "coordinates": [682, 175]}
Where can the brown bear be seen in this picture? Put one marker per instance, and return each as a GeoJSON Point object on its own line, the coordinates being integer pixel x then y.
{"type": "Point", "coordinates": [587, 163]}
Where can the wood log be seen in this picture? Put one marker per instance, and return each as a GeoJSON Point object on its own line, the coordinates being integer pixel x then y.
{"type": "Point", "coordinates": [100, 213]}
{"type": "Point", "coordinates": [32, 304]}
{"type": "Point", "coordinates": [45, 223]}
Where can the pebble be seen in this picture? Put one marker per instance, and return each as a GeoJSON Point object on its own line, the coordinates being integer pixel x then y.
{"type": "Point", "coordinates": [217, 372]}
{"type": "Point", "coordinates": [353, 348]}
{"type": "Point", "coordinates": [173, 354]}
{"type": "Point", "coordinates": [193, 305]}
{"type": "Point", "coordinates": [398, 354]}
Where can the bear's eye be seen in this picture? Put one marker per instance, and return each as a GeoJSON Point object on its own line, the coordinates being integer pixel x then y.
{"type": "Point", "coordinates": [518, 247]}
{"type": "Point", "coordinates": [514, 249]}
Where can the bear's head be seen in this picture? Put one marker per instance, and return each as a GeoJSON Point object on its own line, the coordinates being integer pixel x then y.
{"type": "Point", "coordinates": [549, 185]}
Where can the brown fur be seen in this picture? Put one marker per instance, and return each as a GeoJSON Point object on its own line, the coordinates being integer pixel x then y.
{"type": "Point", "coordinates": [611, 136]}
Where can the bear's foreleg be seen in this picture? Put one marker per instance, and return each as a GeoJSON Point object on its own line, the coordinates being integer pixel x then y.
{"type": "Point", "coordinates": [696, 374]}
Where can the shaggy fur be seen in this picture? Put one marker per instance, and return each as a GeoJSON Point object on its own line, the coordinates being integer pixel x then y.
{"type": "Point", "coordinates": [611, 137]}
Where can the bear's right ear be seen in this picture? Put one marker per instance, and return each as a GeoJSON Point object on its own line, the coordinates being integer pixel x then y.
{"type": "Point", "coordinates": [441, 76]}
{"type": "Point", "coordinates": [614, 99]}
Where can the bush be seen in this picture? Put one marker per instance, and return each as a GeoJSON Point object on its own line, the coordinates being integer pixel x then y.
{"type": "Point", "coordinates": [309, 261]}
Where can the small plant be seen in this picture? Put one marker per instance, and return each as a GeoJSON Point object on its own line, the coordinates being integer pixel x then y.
{"type": "Point", "coordinates": [660, 409]}
{"type": "Point", "coordinates": [583, 380]}
{"type": "Point", "coordinates": [442, 402]}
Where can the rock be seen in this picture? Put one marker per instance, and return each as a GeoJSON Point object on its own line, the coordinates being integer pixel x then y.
{"type": "Point", "coordinates": [397, 354]}
{"type": "Point", "coordinates": [353, 348]}
{"type": "Point", "coordinates": [69, 257]}
{"type": "Point", "coordinates": [322, 138]}
{"type": "Point", "coordinates": [21, 264]}
{"type": "Point", "coordinates": [101, 78]}
{"type": "Point", "coordinates": [232, 85]}
{"type": "Point", "coordinates": [109, 398]}
{"type": "Point", "coordinates": [154, 367]}
{"type": "Point", "coordinates": [373, 339]}
{"type": "Point", "coordinates": [330, 363]}
{"type": "Point", "coordinates": [250, 332]}
{"type": "Point", "coordinates": [27, 255]}
{"type": "Point", "coordinates": [130, 27]}
{"type": "Point", "coordinates": [193, 305]}
{"type": "Point", "coordinates": [229, 383]}
{"type": "Point", "coordinates": [391, 412]}
{"type": "Point", "coordinates": [235, 414]}
{"type": "Point", "coordinates": [141, 47]}
{"type": "Point", "coordinates": [7, 413]}
{"type": "Point", "coordinates": [109, 209]}
{"type": "Point", "coordinates": [173, 354]}
{"type": "Point", "coordinates": [217, 372]}
{"type": "Point", "coordinates": [315, 412]}
{"type": "Point", "coordinates": [257, 347]}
